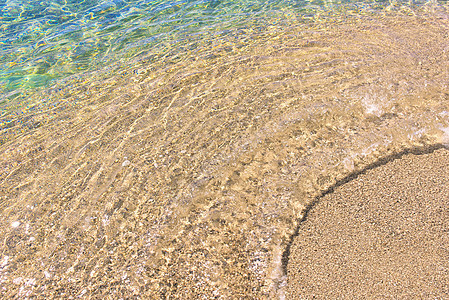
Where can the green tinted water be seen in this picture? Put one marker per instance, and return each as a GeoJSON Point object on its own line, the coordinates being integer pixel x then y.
{"type": "Point", "coordinates": [183, 171]}
{"type": "Point", "coordinates": [43, 41]}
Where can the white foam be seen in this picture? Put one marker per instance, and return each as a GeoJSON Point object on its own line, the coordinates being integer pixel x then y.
{"type": "Point", "coordinates": [370, 107]}
{"type": "Point", "coordinates": [444, 139]}
{"type": "Point", "coordinates": [277, 278]}
{"type": "Point", "coordinates": [47, 274]}
{"type": "Point", "coordinates": [126, 162]}
{"type": "Point", "coordinates": [4, 261]}
{"type": "Point", "coordinates": [17, 280]}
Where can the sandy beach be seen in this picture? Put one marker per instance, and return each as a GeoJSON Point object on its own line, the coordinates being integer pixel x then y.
{"type": "Point", "coordinates": [178, 147]}
{"type": "Point", "coordinates": [382, 235]}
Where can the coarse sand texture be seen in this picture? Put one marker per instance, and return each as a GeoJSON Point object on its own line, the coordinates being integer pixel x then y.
{"type": "Point", "coordinates": [383, 235]}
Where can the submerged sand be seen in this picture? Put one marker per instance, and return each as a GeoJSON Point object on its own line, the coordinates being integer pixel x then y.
{"type": "Point", "coordinates": [382, 235]}
{"type": "Point", "coordinates": [182, 176]}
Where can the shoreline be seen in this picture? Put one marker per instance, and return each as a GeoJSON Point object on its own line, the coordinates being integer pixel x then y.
{"type": "Point", "coordinates": [187, 178]}
{"type": "Point", "coordinates": [331, 256]}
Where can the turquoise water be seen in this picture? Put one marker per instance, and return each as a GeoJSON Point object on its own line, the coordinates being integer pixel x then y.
{"type": "Point", "coordinates": [162, 149]}
{"type": "Point", "coordinates": [42, 41]}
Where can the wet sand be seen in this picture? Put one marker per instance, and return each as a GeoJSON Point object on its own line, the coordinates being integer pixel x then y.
{"type": "Point", "coordinates": [182, 177]}
{"type": "Point", "coordinates": [383, 235]}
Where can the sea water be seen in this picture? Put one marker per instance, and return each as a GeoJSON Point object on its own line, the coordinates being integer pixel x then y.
{"type": "Point", "coordinates": [168, 149]}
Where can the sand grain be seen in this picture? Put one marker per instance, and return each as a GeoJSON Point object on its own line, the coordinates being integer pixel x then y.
{"type": "Point", "coordinates": [383, 235]}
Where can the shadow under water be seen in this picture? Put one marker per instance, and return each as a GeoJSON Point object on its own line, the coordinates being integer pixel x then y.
{"type": "Point", "coordinates": [184, 176]}
{"type": "Point", "coordinates": [382, 161]}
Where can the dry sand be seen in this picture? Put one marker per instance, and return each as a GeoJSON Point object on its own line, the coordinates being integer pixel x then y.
{"type": "Point", "coordinates": [383, 235]}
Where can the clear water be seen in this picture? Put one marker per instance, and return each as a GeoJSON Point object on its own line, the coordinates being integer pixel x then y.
{"type": "Point", "coordinates": [43, 41]}
{"type": "Point", "coordinates": [168, 149]}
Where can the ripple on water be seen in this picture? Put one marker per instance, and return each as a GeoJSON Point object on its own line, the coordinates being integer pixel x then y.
{"type": "Point", "coordinates": [186, 176]}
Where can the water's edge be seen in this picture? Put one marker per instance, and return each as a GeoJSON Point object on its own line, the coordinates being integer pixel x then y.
{"type": "Point", "coordinates": [353, 176]}
{"type": "Point", "coordinates": [186, 177]}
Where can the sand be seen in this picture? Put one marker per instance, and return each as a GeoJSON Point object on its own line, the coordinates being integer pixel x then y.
{"type": "Point", "coordinates": [382, 235]}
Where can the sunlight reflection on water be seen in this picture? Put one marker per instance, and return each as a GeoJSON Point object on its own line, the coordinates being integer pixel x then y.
{"type": "Point", "coordinates": [183, 172]}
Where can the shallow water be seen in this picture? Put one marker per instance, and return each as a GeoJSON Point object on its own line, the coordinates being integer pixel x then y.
{"type": "Point", "coordinates": [183, 174]}
{"type": "Point", "coordinates": [43, 41]}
